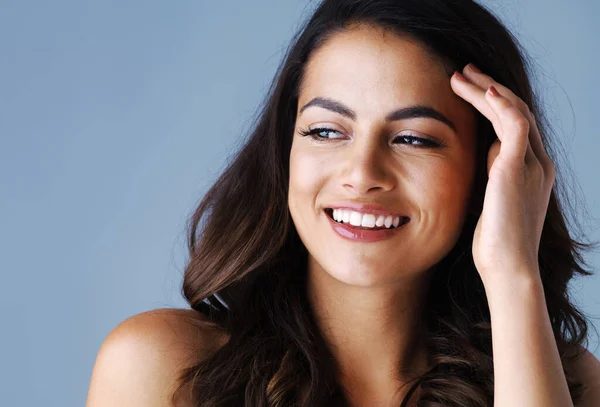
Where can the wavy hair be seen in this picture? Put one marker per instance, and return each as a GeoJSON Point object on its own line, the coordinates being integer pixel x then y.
{"type": "Point", "coordinates": [247, 268]}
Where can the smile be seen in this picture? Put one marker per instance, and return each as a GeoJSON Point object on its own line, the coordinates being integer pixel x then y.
{"type": "Point", "coordinates": [364, 233]}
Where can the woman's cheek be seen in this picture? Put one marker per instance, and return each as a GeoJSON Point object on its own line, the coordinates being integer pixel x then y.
{"type": "Point", "coordinates": [306, 171]}
{"type": "Point", "coordinates": [443, 192]}
{"type": "Point", "coordinates": [454, 190]}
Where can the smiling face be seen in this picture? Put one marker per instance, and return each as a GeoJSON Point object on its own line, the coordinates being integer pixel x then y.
{"type": "Point", "coordinates": [417, 163]}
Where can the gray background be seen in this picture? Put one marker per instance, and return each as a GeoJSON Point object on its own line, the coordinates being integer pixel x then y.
{"type": "Point", "coordinates": [116, 116]}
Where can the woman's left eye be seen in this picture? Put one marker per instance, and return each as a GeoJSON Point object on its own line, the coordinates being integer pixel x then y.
{"type": "Point", "coordinates": [418, 141]}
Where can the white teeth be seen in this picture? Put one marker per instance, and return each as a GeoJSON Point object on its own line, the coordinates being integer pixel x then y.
{"type": "Point", "coordinates": [388, 221]}
{"type": "Point", "coordinates": [355, 218]}
{"type": "Point", "coordinates": [365, 220]}
{"type": "Point", "coordinates": [336, 215]}
{"type": "Point", "coordinates": [345, 216]}
{"type": "Point", "coordinates": [368, 220]}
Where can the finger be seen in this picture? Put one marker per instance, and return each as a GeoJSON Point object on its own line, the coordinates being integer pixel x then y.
{"type": "Point", "coordinates": [504, 125]}
{"type": "Point", "coordinates": [474, 75]}
{"type": "Point", "coordinates": [472, 94]}
{"type": "Point", "coordinates": [515, 139]}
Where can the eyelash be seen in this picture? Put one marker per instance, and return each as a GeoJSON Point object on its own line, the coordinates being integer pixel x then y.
{"type": "Point", "coordinates": [312, 133]}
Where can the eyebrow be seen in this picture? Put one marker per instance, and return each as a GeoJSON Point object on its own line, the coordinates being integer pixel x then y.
{"type": "Point", "coordinates": [409, 112]}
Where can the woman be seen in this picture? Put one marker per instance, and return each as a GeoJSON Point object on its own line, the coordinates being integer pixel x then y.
{"type": "Point", "coordinates": [390, 233]}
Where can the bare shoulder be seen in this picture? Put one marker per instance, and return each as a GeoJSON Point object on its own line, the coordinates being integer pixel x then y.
{"type": "Point", "coordinates": [139, 361]}
{"type": "Point", "coordinates": [587, 369]}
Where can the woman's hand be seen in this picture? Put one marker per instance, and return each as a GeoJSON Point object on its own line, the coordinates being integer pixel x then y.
{"type": "Point", "coordinates": [521, 175]}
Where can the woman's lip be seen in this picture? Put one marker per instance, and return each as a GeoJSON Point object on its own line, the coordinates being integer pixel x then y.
{"type": "Point", "coordinates": [363, 235]}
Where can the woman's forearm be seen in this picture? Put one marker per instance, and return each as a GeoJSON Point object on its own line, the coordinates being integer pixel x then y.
{"type": "Point", "coordinates": [527, 367]}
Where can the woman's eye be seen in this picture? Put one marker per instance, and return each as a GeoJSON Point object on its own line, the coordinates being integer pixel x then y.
{"type": "Point", "coordinates": [417, 141]}
{"type": "Point", "coordinates": [322, 134]}
{"type": "Point", "coordinates": [319, 133]}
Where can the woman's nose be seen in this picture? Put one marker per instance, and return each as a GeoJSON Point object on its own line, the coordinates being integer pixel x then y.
{"type": "Point", "coordinates": [366, 167]}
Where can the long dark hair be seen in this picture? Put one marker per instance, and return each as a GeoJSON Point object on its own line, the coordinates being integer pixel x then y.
{"type": "Point", "coordinates": [247, 267]}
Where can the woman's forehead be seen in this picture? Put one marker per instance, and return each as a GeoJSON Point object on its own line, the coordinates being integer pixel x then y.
{"type": "Point", "coordinates": [365, 65]}
{"type": "Point", "coordinates": [374, 73]}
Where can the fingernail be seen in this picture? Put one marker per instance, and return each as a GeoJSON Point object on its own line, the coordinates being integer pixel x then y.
{"type": "Point", "coordinates": [460, 76]}
{"type": "Point", "coordinates": [473, 68]}
{"type": "Point", "coordinates": [493, 91]}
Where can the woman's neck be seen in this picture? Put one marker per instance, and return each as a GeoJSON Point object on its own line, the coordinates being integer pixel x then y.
{"type": "Point", "coordinates": [374, 333]}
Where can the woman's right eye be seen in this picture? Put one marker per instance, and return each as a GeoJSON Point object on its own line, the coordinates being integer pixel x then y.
{"type": "Point", "coordinates": [318, 133]}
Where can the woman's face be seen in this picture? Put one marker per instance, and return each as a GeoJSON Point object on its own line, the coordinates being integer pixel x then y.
{"type": "Point", "coordinates": [368, 158]}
